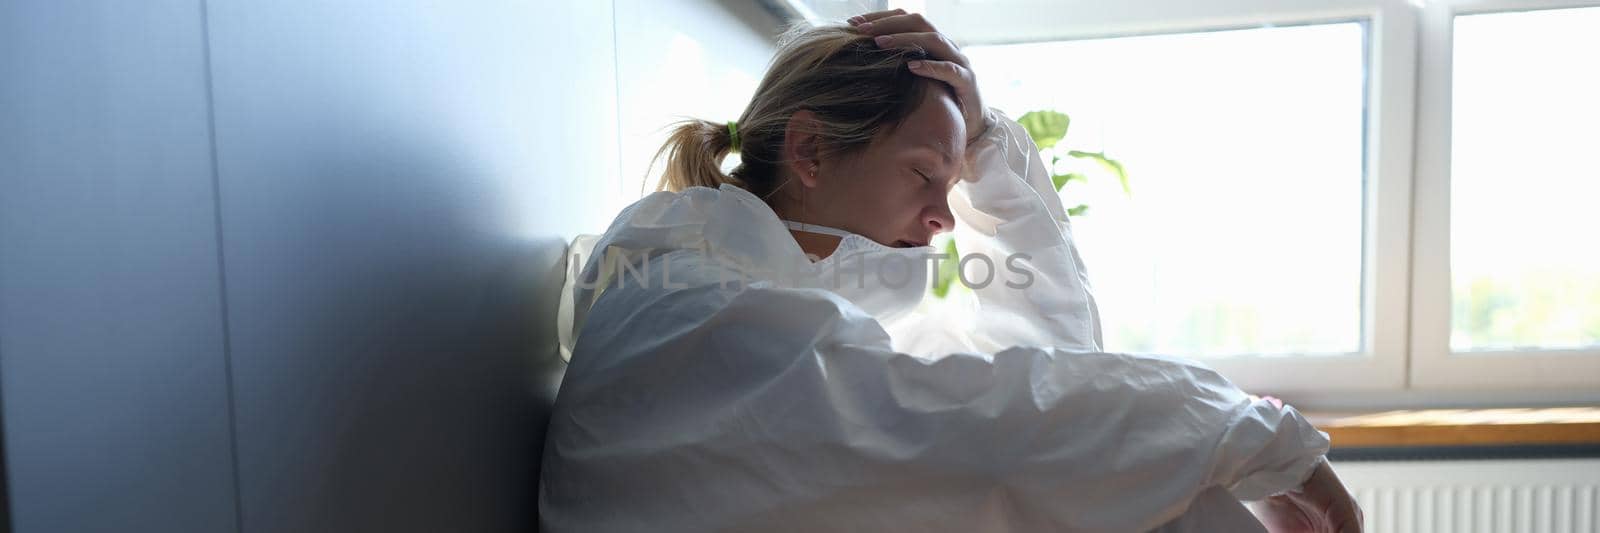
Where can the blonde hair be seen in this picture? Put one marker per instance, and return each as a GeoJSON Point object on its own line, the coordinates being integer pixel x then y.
{"type": "Point", "coordinates": [854, 88]}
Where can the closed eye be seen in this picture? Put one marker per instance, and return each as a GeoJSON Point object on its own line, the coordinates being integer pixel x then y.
{"type": "Point", "coordinates": [925, 177]}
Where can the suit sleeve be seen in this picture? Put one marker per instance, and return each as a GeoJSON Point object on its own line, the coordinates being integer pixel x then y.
{"type": "Point", "coordinates": [800, 403]}
{"type": "Point", "coordinates": [1030, 283]}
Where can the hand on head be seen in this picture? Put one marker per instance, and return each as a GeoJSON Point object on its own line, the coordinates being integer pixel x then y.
{"type": "Point", "coordinates": [898, 29]}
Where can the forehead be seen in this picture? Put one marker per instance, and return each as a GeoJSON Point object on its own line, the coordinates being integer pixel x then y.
{"type": "Point", "coordinates": [935, 124]}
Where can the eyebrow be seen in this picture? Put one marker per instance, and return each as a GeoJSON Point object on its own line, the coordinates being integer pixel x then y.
{"type": "Point", "coordinates": [938, 148]}
{"type": "Point", "coordinates": [949, 159]}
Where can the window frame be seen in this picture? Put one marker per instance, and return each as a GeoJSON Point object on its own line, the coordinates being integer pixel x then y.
{"type": "Point", "coordinates": [1433, 365]}
{"type": "Point", "coordinates": [1391, 45]}
{"type": "Point", "coordinates": [1405, 359]}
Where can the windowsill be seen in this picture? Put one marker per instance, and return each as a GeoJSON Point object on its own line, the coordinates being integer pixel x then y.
{"type": "Point", "coordinates": [1462, 433]}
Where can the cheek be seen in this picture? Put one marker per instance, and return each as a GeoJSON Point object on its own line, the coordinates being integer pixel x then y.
{"type": "Point", "coordinates": [896, 193]}
{"type": "Point", "coordinates": [880, 202]}
{"type": "Point", "coordinates": [880, 187]}
{"type": "Point", "coordinates": [885, 195]}
{"type": "Point", "coordinates": [905, 206]}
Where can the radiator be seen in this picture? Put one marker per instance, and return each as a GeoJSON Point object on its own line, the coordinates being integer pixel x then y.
{"type": "Point", "coordinates": [1470, 496]}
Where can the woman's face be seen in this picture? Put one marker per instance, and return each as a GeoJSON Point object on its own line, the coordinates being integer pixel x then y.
{"type": "Point", "coordinates": [894, 191]}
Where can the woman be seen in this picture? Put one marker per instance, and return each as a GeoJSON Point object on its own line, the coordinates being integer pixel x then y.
{"type": "Point", "coordinates": [734, 367]}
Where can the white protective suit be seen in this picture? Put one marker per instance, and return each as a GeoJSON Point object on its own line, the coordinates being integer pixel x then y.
{"type": "Point", "coordinates": [695, 404]}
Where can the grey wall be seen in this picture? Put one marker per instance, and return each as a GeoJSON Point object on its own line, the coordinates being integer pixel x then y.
{"type": "Point", "coordinates": [288, 266]}
{"type": "Point", "coordinates": [111, 326]}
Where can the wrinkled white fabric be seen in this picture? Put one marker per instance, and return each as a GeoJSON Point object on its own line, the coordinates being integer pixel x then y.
{"type": "Point", "coordinates": [718, 391]}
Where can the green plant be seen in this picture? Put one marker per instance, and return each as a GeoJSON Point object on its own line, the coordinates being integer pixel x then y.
{"type": "Point", "coordinates": [1048, 128]}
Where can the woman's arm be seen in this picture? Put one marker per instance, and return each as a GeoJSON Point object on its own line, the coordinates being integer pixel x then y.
{"type": "Point", "coordinates": [1028, 280]}
{"type": "Point", "coordinates": [1008, 211]}
{"type": "Point", "coordinates": [1008, 216]}
{"type": "Point", "coordinates": [787, 406]}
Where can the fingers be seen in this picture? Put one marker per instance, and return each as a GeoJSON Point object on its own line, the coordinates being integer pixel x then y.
{"type": "Point", "coordinates": [1347, 517]}
{"type": "Point", "coordinates": [898, 29]}
{"type": "Point", "coordinates": [875, 15]}
{"type": "Point", "coordinates": [1335, 509]}
{"type": "Point", "coordinates": [902, 23]}
{"type": "Point", "coordinates": [936, 44]}
{"type": "Point", "coordinates": [1280, 514]}
{"type": "Point", "coordinates": [946, 71]}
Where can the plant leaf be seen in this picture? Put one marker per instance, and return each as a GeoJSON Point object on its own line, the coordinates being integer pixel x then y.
{"type": "Point", "coordinates": [1110, 164]}
{"type": "Point", "coordinates": [1046, 127]}
{"type": "Point", "coordinates": [1060, 180]}
{"type": "Point", "coordinates": [947, 270]}
{"type": "Point", "coordinates": [1078, 211]}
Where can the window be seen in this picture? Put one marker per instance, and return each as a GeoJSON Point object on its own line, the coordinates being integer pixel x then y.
{"type": "Point", "coordinates": [1359, 202]}
{"type": "Point", "coordinates": [1240, 230]}
{"type": "Point", "coordinates": [1328, 196]}
{"type": "Point", "coordinates": [1504, 279]}
{"type": "Point", "coordinates": [1525, 257]}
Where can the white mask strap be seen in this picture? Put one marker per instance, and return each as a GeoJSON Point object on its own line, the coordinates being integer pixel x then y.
{"type": "Point", "coordinates": [813, 228]}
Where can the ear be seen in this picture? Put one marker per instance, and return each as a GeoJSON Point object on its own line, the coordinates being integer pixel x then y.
{"type": "Point", "coordinates": [801, 145]}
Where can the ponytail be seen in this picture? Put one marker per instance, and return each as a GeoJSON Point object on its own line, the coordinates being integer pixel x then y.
{"type": "Point", "coordinates": [854, 88]}
{"type": "Point", "coordinates": [694, 152]}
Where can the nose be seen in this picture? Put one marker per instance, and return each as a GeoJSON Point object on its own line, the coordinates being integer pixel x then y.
{"type": "Point", "coordinates": [937, 217]}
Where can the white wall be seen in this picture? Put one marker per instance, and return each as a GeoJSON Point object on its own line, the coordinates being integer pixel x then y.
{"type": "Point", "coordinates": [683, 58]}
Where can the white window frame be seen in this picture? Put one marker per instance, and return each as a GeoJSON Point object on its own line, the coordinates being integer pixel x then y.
{"type": "Point", "coordinates": [1392, 40]}
{"type": "Point", "coordinates": [1433, 365]}
{"type": "Point", "coordinates": [1405, 358]}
